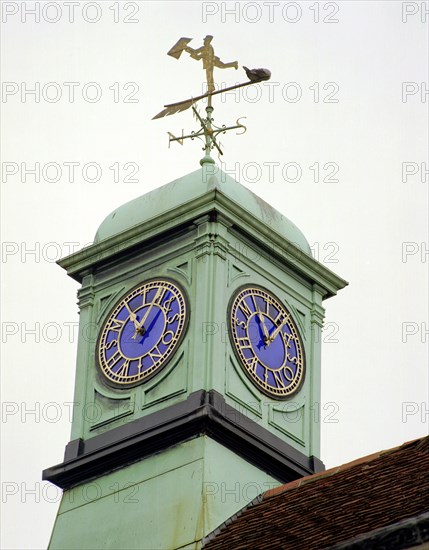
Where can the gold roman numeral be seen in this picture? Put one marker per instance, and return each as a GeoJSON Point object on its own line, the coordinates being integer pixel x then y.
{"type": "Point", "coordinates": [111, 362]}
{"type": "Point", "coordinates": [279, 379]}
{"type": "Point", "coordinates": [244, 342]}
{"type": "Point", "coordinates": [292, 359]}
{"type": "Point", "coordinates": [167, 304]}
{"type": "Point", "coordinates": [252, 363]}
{"type": "Point", "coordinates": [140, 364]}
{"type": "Point", "coordinates": [116, 325]}
{"type": "Point", "coordinates": [111, 344]}
{"type": "Point", "coordinates": [278, 319]}
{"type": "Point", "coordinates": [155, 355]}
{"type": "Point", "coordinates": [143, 295]}
{"type": "Point", "coordinates": [123, 369]}
{"type": "Point", "coordinates": [287, 338]}
{"type": "Point", "coordinates": [159, 296]}
{"type": "Point", "coordinates": [239, 323]}
{"type": "Point", "coordinates": [245, 308]}
{"type": "Point", "coordinates": [267, 306]}
{"type": "Point", "coordinates": [175, 317]}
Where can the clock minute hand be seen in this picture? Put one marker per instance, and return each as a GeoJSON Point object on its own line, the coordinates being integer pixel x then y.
{"type": "Point", "coordinates": [140, 328]}
{"type": "Point", "coordinates": [278, 329]}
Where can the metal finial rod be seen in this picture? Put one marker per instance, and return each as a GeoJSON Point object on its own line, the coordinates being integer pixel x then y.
{"type": "Point", "coordinates": [210, 140]}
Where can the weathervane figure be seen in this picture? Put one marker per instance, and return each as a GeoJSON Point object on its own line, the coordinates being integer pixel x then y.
{"type": "Point", "coordinates": [210, 60]}
{"type": "Point", "coordinates": [208, 131]}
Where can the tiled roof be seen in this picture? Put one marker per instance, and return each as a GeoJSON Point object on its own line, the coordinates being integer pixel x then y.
{"type": "Point", "coordinates": [337, 505]}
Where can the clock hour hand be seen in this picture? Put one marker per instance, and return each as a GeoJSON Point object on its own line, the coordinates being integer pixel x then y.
{"type": "Point", "coordinates": [264, 328]}
{"type": "Point", "coordinates": [133, 316]}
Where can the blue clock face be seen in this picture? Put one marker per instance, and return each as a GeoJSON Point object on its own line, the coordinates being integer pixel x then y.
{"type": "Point", "coordinates": [266, 342]}
{"type": "Point", "coordinates": [142, 332]}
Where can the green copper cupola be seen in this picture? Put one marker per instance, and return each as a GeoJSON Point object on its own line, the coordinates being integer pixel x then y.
{"type": "Point", "coordinates": [246, 295]}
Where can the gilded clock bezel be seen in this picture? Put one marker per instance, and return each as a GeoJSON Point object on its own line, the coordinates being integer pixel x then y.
{"type": "Point", "coordinates": [127, 385]}
{"type": "Point", "coordinates": [256, 382]}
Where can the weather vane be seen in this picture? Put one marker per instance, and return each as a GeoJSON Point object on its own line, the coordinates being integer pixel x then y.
{"type": "Point", "coordinates": [208, 131]}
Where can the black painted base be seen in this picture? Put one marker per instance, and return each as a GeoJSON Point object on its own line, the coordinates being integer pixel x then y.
{"type": "Point", "coordinates": [203, 413]}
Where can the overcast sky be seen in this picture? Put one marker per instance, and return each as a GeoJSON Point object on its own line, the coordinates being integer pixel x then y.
{"type": "Point", "coordinates": [337, 141]}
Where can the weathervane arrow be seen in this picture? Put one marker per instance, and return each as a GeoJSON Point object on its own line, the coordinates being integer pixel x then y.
{"type": "Point", "coordinates": [173, 108]}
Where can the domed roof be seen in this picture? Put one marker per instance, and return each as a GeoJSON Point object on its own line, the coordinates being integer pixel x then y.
{"type": "Point", "coordinates": [177, 193]}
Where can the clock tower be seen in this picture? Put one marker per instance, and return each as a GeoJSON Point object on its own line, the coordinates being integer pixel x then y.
{"type": "Point", "coordinates": [198, 390]}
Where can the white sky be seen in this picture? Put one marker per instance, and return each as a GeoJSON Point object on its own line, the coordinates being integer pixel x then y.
{"type": "Point", "coordinates": [370, 227]}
